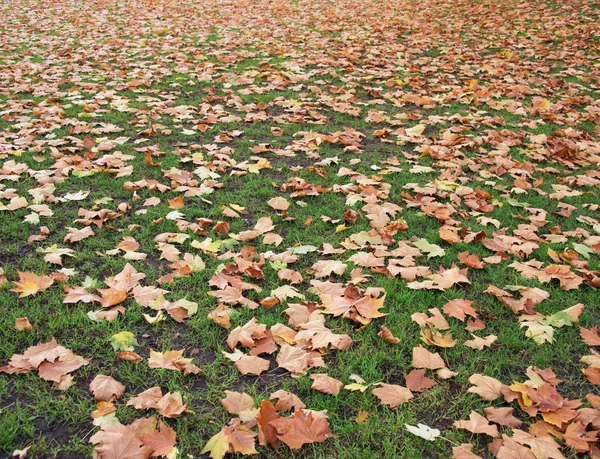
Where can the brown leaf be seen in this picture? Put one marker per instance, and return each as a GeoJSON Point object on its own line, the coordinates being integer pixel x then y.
{"type": "Point", "coordinates": [236, 402]}
{"type": "Point", "coordinates": [590, 336]}
{"type": "Point", "coordinates": [161, 441]}
{"type": "Point", "coordinates": [477, 424]}
{"type": "Point", "coordinates": [286, 401]}
{"type": "Point", "coordinates": [459, 309]}
{"type": "Point", "coordinates": [30, 284]}
{"type": "Point", "coordinates": [106, 388]}
{"type": "Point", "coordinates": [326, 384]}
{"type": "Point", "coordinates": [22, 324]}
{"type": "Point", "coordinates": [250, 364]}
{"type": "Point", "coordinates": [486, 387]}
{"type": "Point", "coordinates": [392, 395]}
{"type": "Point", "coordinates": [422, 358]}
{"type": "Point", "coordinates": [503, 416]}
{"type": "Point", "coordinates": [416, 381]}
{"type": "Point", "coordinates": [302, 428]}
{"type": "Point", "coordinates": [386, 335]}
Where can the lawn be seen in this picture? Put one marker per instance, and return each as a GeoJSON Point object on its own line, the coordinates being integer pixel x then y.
{"type": "Point", "coordinates": [299, 228]}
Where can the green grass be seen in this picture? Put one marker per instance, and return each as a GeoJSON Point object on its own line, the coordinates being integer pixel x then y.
{"type": "Point", "coordinates": [235, 55]}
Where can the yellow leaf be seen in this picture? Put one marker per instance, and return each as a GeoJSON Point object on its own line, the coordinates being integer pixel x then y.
{"type": "Point", "coordinates": [217, 446]}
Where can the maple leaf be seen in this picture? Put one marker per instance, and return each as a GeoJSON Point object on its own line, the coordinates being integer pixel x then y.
{"type": "Point", "coordinates": [147, 399]}
{"type": "Point", "coordinates": [161, 441]}
{"type": "Point", "coordinates": [590, 336]}
{"type": "Point", "coordinates": [542, 447]}
{"type": "Point", "coordinates": [460, 309]}
{"type": "Point", "coordinates": [422, 358]}
{"type": "Point", "coordinates": [106, 388]}
{"type": "Point", "coordinates": [217, 446]}
{"type": "Point", "coordinates": [392, 395]}
{"type": "Point", "coordinates": [326, 384]}
{"type": "Point", "coordinates": [250, 364]}
{"type": "Point", "coordinates": [172, 360]}
{"type": "Point", "coordinates": [236, 402]}
{"type": "Point", "coordinates": [279, 203]}
{"type": "Point", "coordinates": [293, 358]}
{"type": "Point", "coordinates": [477, 424]}
{"type": "Point", "coordinates": [510, 449]}
{"type": "Point", "coordinates": [432, 250]}
{"type": "Point", "coordinates": [480, 343]}
{"type": "Point", "coordinates": [286, 401]}
{"type": "Point", "coordinates": [79, 294]}
{"type": "Point", "coordinates": [503, 416]}
{"type": "Point", "coordinates": [120, 442]}
{"type": "Point", "coordinates": [416, 381]}
{"type": "Point", "coordinates": [30, 284]}
{"type": "Point", "coordinates": [486, 387]}
{"type": "Point", "coordinates": [302, 428]}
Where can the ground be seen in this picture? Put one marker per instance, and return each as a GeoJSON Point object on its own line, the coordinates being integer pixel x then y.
{"type": "Point", "coordinates": [406, 132]}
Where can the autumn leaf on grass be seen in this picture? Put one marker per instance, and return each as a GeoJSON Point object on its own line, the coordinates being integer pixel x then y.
{"type": "Point", "coordinates": [460, 309]}
{"type": "Point", "coordinates": [30, 284]}
{"type": "Point", "coordinates": [479, 343]}
{"type": "Point", "coordinates": [486, 387]}
{"type": "Point", "coordinates": [138, 440]}
{"type": "Point", "coordinates": [302, 428]}
{"type": "Point", "coordinates": [236, 402]}
{"type": "Point", "coordinates": [416, 381]}
{"type": "Point", "coordinates": [267, 433]}
{"type": "Point", "coordinates": [538, 332]}
{"type": "Point", "coordinates": [247, 335]}
{"type": "Point", "coordinates": [503, 416]}
{"type": "Point", "coordinates": [449, 234]}
{"type": "Point", "coordinates": [442, 280]}
{"type": "Point", "coordinates": [392, 395]}
{"type": "Point", "coordinates": [250, 364]}
{"type": "Point", "coordinates": [169, 405]}
{"type": "Point", "coordinates": [172, 360]}
{"type": "Point", "coordinates": [75, 235]}
{"type": "Point", "coordinates": [161, 442]}
{"type": "Point", "coordinates": [295, 359]}
{"type": "Point", "coordinates": [79, 294]}
{"type": "Point", "coordinates": [590, 336]}
{"type": "Point", "coordinates": [112, 297]}
{"type": "Point", "coordinates": [593, 375]}
{"type": "Point", "coordinates": [52, 361]}
{"type": "Point", "coordinates": [432, 250]}
{"type": "Point", "coordinates": [324, 268]}
{"type": "Point", "coordinates": [422, 358]}
{"type": "Point", "coordinates": [471, 260]}
{"type": "Point", "coordinates": [386, 335]}
{"type": "Point", "coordinates": [237, 439]}
{"type": "Point", "coordinates": [326, 384]}
{"type": "Point", "coordinates": [118, 441]}
{"type": "Point", "coordinates": [286, 401]}
{"type": "Point", "coordinates": [433, 337]}
{"type": "Point", "coordinates": [106, 388]}
{"type": "Point", "coordinates": [54, 254]}
{"type": "Point", "coordinates": [577, 437]}
{"type": "Point", "coordinates": [477, 424]}
{"type": "Point", "coordinates": [465, 451]}
{"type": "Point", "coordinates": [23, 324]}
{"type": "Point", "coordinates": [542, 447]}
{"type": "Point", "coordinates": [279, 203]}
{"type": "Point", "coordinates": [146, 400]}
{"type": "Point", "coordinates": [423, 431]}
{"type": "Point", "coordinates": [366, 259]}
